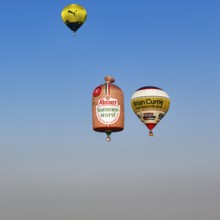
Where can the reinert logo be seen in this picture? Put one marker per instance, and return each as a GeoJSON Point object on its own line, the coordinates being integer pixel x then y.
{"type": "Point", "coordinates": [107, 102]}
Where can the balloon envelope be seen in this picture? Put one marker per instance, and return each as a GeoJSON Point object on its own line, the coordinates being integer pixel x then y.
{"type": "Point", "coordinates": [108, 108]}
{"type": "Point", "coordinates": [74, 16]}
{"type": "Point", "coordinates": [150, 104]}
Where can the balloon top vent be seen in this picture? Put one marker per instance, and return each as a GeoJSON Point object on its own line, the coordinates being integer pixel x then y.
{"type": "Point", "coordinates": [109, 79]}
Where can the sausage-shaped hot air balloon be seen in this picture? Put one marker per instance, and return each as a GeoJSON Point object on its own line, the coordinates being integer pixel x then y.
{"type": "Point", "coordinates": [74, 16]}
{"type": "Point", "coordinates": [150, 104]}
{"type": "Point", "coordinates": [108, 108]}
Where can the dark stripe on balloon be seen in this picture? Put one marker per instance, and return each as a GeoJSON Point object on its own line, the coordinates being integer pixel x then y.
{"type": "Point", "coordinates": [148, 87]}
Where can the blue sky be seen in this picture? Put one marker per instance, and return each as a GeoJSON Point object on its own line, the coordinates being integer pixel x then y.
{"type": "Point", "coordinates": [54, 166]}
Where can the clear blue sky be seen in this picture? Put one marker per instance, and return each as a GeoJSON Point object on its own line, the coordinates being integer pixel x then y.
{"type": "Point", "coordinates": [54, 166]}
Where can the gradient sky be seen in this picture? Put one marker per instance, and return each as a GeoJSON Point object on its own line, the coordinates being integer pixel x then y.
{"type": "Point", "coordinates": [53, 166]}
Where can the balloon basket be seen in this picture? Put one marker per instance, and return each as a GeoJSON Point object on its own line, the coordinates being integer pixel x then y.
{"type": "Point", "coordinates": [151, 133]}
{"type": "Point", "coordinates": [108, 138]}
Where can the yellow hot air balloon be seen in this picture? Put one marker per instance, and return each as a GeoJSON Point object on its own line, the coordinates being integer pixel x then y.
{"type": "Point", "coordinates": [150, 104]}
{"type": "Point", "coordinates": [74, 16]}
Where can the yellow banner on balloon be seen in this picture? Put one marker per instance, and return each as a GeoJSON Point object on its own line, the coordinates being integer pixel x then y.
{"type": "Point", "coordinates": [150, 103]}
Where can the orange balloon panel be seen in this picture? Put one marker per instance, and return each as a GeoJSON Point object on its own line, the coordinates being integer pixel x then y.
{"type": "Point", "coordinates": [108, 108]}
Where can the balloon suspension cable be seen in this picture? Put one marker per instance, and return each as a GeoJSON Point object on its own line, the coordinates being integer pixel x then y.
{"type": "Point", "coordinates": [108, 138]}
{"type": "Point", "coordinates": [151, 133]}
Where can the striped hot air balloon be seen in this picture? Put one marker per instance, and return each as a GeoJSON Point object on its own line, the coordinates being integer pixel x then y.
{"type": "Point", "coordinates": [150, 104]}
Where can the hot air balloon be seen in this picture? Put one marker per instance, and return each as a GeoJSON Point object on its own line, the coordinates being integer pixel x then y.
{"type": "Point", "coordinates": [74, 16]}
{"type": "Point", "coordinates": [150, 104]}
{"type": "Point", "coordinates": [108, 108]}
